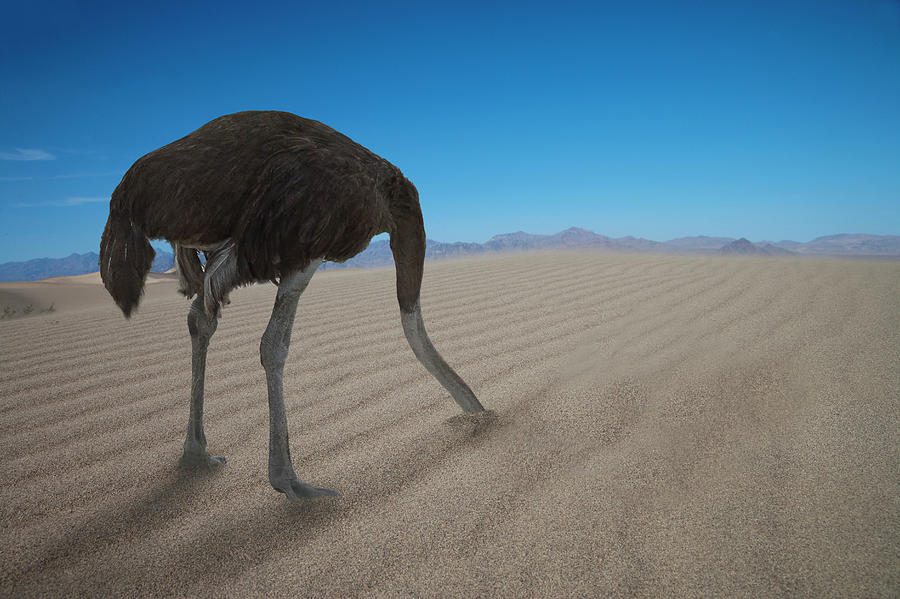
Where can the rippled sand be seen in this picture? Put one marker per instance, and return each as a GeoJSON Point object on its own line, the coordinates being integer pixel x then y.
{"type": "Point", "coordinates": [660, 426]}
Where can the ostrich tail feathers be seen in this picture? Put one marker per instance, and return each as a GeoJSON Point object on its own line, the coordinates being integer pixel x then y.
{"type": "Point", "coordinates": [125, 259]}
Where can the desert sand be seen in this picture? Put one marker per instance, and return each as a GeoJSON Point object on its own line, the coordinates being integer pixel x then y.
{"type": "Point", "coordinates": [659, 426]}
{"type": "Point", "coordinates": [70, 293]}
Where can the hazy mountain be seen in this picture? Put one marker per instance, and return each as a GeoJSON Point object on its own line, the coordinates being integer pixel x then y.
{"type": "Point", "coordinates": [41, 268]}
{"type": "Point", "coordinates": [698, 242]}
{"type": "Point", "coordinates": [575, 237]}
{"type": "Point", "coordinates": [785, 244]}
{"type": "Point", "coordinates": [850, 245]}
{"type": "Point", "coordinates": [774, 250]}
{"type": "Point", "coordinates": [379, 252]}
{"type": "Point", "coordinates": [516, 241]}
{"type": "Point", "coordinates": [162, 262]}
{"type": "Point", "coordinates": [571, 237]}
{"type": "Point", "coordinates": [640, 244]}
{"type": "Point", "coordinates": [739, 246]}
{"type": "Point", "coordinates": [744, 247]}
{"type": "Point", "coordinates": [75, 264]}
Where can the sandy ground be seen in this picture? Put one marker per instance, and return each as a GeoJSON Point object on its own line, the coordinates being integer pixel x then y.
{"type": "Point", "coordinates": [661, 426]}
{"type": "Point", "coordinates": [66, 294]}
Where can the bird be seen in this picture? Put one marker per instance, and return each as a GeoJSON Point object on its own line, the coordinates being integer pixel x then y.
{"type": "Point", "coordinates": [265, 196]}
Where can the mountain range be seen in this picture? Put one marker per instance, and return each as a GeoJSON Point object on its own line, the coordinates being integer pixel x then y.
{"type": "Point", "coordinates": [745, 247]}
{"type": "Point", "coordinates": [379, 252]}
{"type": "Point", "coordinates": [74, 264]}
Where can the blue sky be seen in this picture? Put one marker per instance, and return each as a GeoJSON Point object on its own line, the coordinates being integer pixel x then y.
{"type": "Point", "coordinates": [769, 120]}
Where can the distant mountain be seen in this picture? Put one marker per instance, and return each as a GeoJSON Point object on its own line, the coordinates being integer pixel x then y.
{"type": "Point", "coordinates": [850, 245]}
{"type": "Point", "coordinates": [162, 262]}
{"type": "Point", "coordinates": [379, 252]}
{"type": "Point", "coordinates": [640, 244]}
{"type": "Point", "coordinates": [41, 268]}
{"type": "Point", "coordinates": [515, 241]}
{"type": "Point", "coordinates": [774, 250]}
{"type": "Point", "coordinates": [75, 264]}
{"type": "Point", "coordinates": [698, 242]}
{"type": "Point", "coordinates": [571, 237]}
{"type": "Point", "coordinates": [739, 246]}
{"type": "Point", "coordinates": [575, 237]}
{"type": "Point", "coordinates": [744, 247]}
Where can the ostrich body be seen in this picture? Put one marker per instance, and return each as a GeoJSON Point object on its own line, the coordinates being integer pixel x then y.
{"type": "Point", "coordinates": [267, 196]}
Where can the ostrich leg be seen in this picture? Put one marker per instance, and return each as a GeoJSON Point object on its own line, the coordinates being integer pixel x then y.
{"type": "Point", "coordinates": [201, 327]}
{"type": "Point", "coordinates": [273, 350]}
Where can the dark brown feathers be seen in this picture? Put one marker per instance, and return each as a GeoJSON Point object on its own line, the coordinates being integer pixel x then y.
{"type": "Point", "coordinates": [125, 260]}
{"type": "Point", "coordinates": [285, 189]}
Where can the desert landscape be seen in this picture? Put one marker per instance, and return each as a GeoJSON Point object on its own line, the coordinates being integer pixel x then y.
{"type": "Point", "coordinates": [658, 426]}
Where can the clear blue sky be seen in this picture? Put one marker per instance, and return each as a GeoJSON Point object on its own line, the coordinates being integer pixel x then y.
{"type": "Point", "coordinates": [769, 120]}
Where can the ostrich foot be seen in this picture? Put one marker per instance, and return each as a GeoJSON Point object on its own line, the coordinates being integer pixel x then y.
{"type": "Point", "coordinates": [295, 489]}
{"type": "Point", "coordinates": [197, 461]}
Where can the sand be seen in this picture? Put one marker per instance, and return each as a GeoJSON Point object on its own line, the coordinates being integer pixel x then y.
{"type": "Point", "coordinates": [70, 293]}
{"type": "Point", "coordinates": [660, 426]}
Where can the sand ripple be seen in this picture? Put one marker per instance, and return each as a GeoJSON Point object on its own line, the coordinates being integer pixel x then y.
{"type": "Point", "coordinates": [658, 426]}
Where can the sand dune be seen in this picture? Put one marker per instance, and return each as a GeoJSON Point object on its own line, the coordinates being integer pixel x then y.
{"type": "Point", "coordinates": [660, 426]}
{"type": "Point", "coordinates": [65, 294]}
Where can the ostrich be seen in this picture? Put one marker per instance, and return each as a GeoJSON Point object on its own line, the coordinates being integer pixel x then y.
{"type": "Point", "coordinates": [266, 196]}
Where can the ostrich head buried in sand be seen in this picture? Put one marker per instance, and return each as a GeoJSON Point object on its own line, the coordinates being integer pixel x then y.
{"type": "Point", "coordinates": [266, 196]}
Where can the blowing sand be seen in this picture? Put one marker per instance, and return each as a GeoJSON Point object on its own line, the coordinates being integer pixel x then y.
{"type": "Point", "coordinates": [661, 426]}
